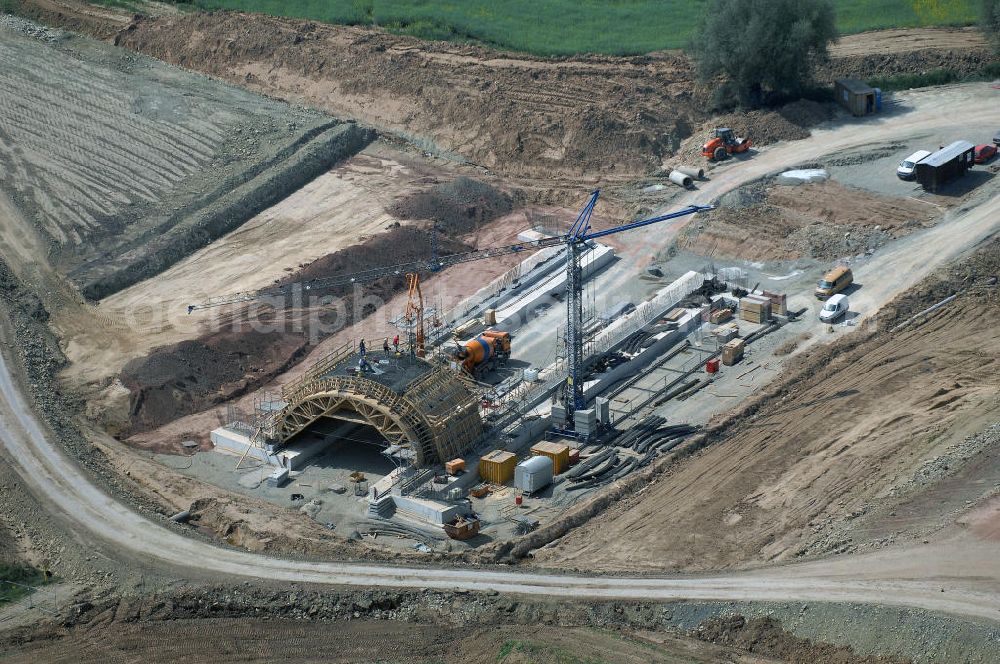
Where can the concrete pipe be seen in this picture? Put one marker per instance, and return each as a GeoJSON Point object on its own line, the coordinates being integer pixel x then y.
{"type": "Point", "coordinates": [693, 171]}
{"type": "Point", "coordinates": [681, 179]}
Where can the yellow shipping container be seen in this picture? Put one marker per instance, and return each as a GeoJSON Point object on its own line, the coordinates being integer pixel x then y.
{"type": "Point", "coordinates": [558, 452]}
{"type": "Point", "coordinates": [497, 467]}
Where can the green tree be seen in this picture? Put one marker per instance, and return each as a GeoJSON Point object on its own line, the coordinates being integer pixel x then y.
{"type": "Point", "coordinates": [762, 46]}
{"type": "Point", "coordinates": [991, 22]}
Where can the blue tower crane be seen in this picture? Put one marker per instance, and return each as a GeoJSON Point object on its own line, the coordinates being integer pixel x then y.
{"type": "Point", "coordinates": [575, 241]}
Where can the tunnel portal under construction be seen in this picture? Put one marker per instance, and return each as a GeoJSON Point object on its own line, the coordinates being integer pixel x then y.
{"type": "Point", "coordinates": [424, 409]}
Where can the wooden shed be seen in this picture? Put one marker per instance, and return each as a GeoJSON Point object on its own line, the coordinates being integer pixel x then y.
{"type": "Point", "coordinates": [856, 96]}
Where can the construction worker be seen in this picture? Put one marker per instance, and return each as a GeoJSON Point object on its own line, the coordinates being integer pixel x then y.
{"type": "Point", "coordinates": [395, 343]}
{"type": "Point", "coordinates": [361, 348]}
{"type": "Point", "coordinates": [385, 346]}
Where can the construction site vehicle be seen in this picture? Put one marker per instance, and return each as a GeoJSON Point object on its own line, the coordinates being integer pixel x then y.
{"type": "Point", "coordinates": [835, 307]}
{"type": "Point", "coordinates": [576, 241]}
{"type": "Point", "coordinates": [723, 144]}
{"type": "Point", "coordinates": [835, 281]}
{"type": "Point", "coordinates": [484, 352]}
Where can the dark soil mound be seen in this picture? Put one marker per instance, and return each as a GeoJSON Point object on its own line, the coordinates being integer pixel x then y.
{"type": "Point", "coordinates": [460, 206]}
{"type": "Point", "coordinates": [765, 636]}
{"type": "Point", "coordinates": [787, 123]}
{"type": "Point", "coordinates": [400, 245]}
{"type": "Point", "coordinates": [191, 376]}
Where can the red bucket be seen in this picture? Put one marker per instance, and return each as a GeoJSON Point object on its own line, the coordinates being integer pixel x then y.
{"type": "Point", "coordinates": [712, 366]}
{"type": "Point", "coordinates": [517, 500]}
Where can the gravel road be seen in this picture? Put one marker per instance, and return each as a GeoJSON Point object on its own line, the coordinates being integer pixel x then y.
{"type": "Point", "coordinates": [970, 587]}
{"type": "Point", "coordinates": [53, 476]}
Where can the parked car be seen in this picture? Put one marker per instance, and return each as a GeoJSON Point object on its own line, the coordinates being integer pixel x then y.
{"type": "Point", "coordinates": [834, 281]}
{"type": "Point", "coordinates": [834, 308]}
{"type": "Point", "coordinates": [984, 153]}
{"type": "Point", "coordinates": [908, 167]}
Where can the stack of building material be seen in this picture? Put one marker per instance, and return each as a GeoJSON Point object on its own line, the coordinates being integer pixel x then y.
{"type": "Point", "coordinates": [779, 302]}
{"type": "Point", "coordinates": [585, 421]}
{"type": "Point", "coordinates": [726, 332]}
{"type": "Point", "coordinates": [278, 478]}
{"type": "Point", "coordinates": [732, 352]}
{"type": "Point", "coordinates": [675, 314]}
{"type": "Point", "coordinates": [467, 328]}
{"type": "Point", "coordinates": [455, 466]}
{"type": "Point", "coordinates": [382, 508]}
{"type": "Point", "coordinates": [558, 452]}
{"type": "Point", "coordinates": [533, 474]}
{"type": "Point", "coordinates": [755, 309]}
{"type": "Point", "coordinates": [603, 407]}
{"type": "Point", "coordinates": [497, 467]}
{"type": "Point", "coordinates": [720, 316]}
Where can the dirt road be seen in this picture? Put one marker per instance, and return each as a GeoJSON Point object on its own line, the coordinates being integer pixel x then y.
{"type": "Point", "coordinates": [973, 587]}
{"type": "Point", "coordinates": [929, 113]}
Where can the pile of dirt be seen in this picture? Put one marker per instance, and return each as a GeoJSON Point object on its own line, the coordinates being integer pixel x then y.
{"type": "Point", "coordinates": [193, 375]}
{"type": "Point", "coordinates": [787, 123]}
{"type": "Point", "coordinates": [823, 220]}
{"type": "Point", "coordinates": [548, 119]}
{"type": "Point", "coordinates": [765, 636]}
{"type": "Point", "coordinates": [460, 206]}
{"type": "Point", "coordinates": [962, 60]}
{"type": "Point", "coordinates": [790, 122]}
{"type": "Point", "coordinates": [975, 277]}
{"type": "Point", "coordinates": [264, 339]}
{"type": "Point", "coordinates": [774, 482]}
{"type": "Point", "coordinates": [515, 114]}
{"type": "Point", "coordinates": [400, 245]}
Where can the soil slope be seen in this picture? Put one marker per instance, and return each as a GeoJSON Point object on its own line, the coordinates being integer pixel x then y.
{"type": "Point", "coordinates": [557, 120]}
{"type": "Point", "coordinates": [762, 222]}
{"type": "Point", "coordinates": [866, 425]}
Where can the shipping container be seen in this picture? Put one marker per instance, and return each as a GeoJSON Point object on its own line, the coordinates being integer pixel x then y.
{"type": "Point", "coordinates": [943, 166]}
{"type": "Point", "coordinates": [497, 467]}
{"type": "Point", "coordinates": [558, 452]}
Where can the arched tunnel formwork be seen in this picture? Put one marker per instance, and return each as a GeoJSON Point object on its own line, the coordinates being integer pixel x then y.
{"type": "Point", "coordinates": [436, 415]}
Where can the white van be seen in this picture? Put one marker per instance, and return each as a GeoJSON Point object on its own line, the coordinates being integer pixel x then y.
{"type": "Point", "coordinates": [908, 167]}
{"type": "Point", "coordinates": [834, 308]}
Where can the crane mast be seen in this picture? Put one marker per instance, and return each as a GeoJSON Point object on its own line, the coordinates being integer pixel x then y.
{"type": "Point", "coordinates": [575, 242]}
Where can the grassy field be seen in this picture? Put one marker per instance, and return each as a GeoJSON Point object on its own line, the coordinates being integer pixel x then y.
{"type": "Point", "coordinates": [563, 27]}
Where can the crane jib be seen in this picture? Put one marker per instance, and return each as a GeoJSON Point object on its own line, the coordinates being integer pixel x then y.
{"type": "Point", "coordinates": [577, 233]}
